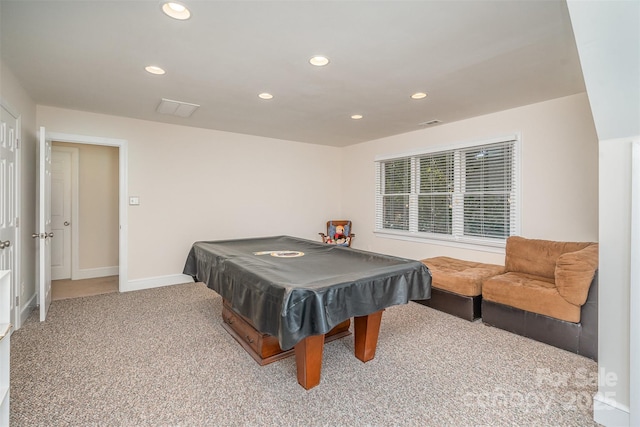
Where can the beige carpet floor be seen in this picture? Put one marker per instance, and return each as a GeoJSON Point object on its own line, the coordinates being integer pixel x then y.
{"type": "Point", "coordinates": [67, 288]}
{"type": "Point", "coordinates": [160, 357]}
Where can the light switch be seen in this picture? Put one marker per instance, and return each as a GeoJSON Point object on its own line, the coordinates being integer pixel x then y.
{"type": "Point", "coordinates": [134, 201]}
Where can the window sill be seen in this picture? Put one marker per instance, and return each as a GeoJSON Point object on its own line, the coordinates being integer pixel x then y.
{"type": "Point", "coordinates": [491, 247]}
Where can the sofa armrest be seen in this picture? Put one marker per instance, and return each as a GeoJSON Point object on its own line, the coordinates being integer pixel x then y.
{"type": "Point", "coordinates": [574, 273]}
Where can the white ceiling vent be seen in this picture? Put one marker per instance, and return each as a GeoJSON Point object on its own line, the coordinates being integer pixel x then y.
{"type": "Point", "coordinates": [430, 122]}
{"type": "Point", "coordinates": [176, 108]}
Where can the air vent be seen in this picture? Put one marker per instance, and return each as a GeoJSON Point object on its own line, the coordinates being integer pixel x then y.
{"type": "Point", "coordinates": [176, 108]}
{"type": "Point", "coordinates": [430, 122]}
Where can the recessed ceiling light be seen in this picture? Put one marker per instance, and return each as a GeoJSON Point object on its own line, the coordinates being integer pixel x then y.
{"type": "Point", "coordinates": [153, 69]}
{"type": "Point", "coordinates": [356, 116]}
{"type": "Point", "coordinates": [265, 95]}
{"type": "Point", "coordinates": [319, 61]}
{"type": "Point", "coordinates": [176, 10]}
{"type": "Point", "coordinates": [418, 95]}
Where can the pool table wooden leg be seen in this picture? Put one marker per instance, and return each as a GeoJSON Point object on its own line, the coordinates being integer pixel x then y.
{"type": "Point", "coordinates": [366, 329]}
{"type": "Point", "coordinates": [309, 360]}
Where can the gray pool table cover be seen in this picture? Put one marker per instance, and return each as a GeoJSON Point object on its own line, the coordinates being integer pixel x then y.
{"type": "Point", "coordinates": [293, 296]}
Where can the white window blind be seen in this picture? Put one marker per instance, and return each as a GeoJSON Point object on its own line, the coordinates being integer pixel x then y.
{"type": "Point", "coordinates": [467, 194]}
{"type": "Point", "coordinates": [396, 194]}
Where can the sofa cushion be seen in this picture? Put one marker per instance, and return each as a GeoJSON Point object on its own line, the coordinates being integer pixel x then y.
{"type": "Point", "coordinates": [537, 257]}
{"type": "Point", "coordinates": [574, 273]}
{"type": "Point", "coordinates": [532, 293]}
{"type": "Point", "coordinates": [460, 276]}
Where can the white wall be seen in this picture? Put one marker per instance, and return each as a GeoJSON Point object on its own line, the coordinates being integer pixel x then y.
{"type": "Point", "coordinates": [559, 175]}
{"type": "Point", "coordinates": [608, 40]}
{"type": "Point", "coordinates": [614, 279]}
{"type": "Point", "coordinates": [196, 184]}
{"type": "Point", "coordinates": [13, 94]}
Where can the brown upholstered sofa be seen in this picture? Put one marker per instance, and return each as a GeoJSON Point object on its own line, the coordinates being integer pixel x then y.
{"type": "Point", "coordinates": [548, 292]}
{"type": "Point", "coordinates": [456, 285]}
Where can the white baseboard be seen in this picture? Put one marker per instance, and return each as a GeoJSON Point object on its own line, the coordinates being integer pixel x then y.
{"type": "Point", "coordinates": [157, 282]}
{"type": "Point", "coordinates": [609, 412]}
{"type": "Point", "coordinates": [27, 308]}
{"type": "Point", "coordinates": [90, 273]}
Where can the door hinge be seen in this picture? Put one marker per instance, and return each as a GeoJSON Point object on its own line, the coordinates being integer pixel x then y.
{"type": "Point", "coordinates": [17, 142]}
{"type": "Point", "coordinates": [17, 301]}
{"type": "Point", "coordinates": [17, 222]}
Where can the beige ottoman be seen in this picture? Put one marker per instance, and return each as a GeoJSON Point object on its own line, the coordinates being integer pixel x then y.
{"type": "Point", "coordinates": [456, 285]}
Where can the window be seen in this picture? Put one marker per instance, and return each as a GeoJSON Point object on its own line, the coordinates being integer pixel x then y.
{"type": "Point", "coordinates": [468, 194]}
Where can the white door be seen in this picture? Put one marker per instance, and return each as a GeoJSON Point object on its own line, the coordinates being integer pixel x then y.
{"type": "Point", "coordinates": [61, 214]}
{"type": "Point", "coordinates": [8, 199]}
{"type": "Point", "coordinates": [45, 235]}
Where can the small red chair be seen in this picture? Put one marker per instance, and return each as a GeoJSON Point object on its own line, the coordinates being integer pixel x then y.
{"type": "Point", "coordinates": [338, 233]}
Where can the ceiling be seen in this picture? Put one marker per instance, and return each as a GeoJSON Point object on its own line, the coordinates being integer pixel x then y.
{"type": "Point", "coordinates": [470, 57]}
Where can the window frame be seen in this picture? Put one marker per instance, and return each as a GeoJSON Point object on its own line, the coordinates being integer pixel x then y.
{"type": "Point", "coordinates": [456, 240]}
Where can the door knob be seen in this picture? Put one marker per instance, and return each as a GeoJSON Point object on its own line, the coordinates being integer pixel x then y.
{"type": "Point", "coordinates": [50, 235]}
{"type": "Point", "coordinates": [66, 223]}
{"type": "Point", "coordinates": [5, 244]}
{"type": "Point", "coordinates": [35, 235]}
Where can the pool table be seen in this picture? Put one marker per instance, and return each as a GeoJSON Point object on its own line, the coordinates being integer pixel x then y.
{"type": "Point", "coordinates": [297, 291]}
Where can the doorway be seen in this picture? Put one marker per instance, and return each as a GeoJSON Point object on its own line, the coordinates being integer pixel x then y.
{"type": "Point", "coordinates": [84, 219]}
{"type": "Point", "coordinates": [87, 268]}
